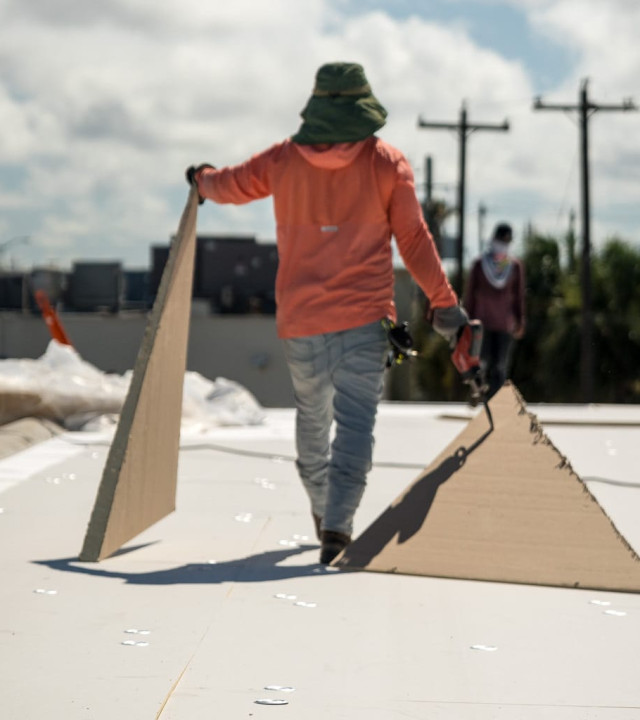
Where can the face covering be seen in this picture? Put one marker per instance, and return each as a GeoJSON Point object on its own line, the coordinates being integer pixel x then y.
{"type": "Point", "coordinates": [499, 247]}
{"type": "Point", "coordinates": [496, 264]}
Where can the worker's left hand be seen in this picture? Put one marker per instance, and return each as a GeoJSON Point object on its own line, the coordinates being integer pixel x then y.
{"type": "Point", "coordinates": [191, 174]}
{"type": "Point", "coordinates": [448, 321]}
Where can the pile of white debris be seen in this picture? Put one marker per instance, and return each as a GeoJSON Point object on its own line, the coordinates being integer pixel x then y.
{"type": "Point", "coordinates": [62, 387]}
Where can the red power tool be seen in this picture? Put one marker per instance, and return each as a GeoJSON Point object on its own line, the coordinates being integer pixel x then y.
{"type": "Point", "coordinates": [466, 358]}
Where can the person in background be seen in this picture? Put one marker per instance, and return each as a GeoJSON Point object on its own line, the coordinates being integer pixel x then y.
{"type": "Point", "coordinates": [495, 295]}
{"type": "Point", "coordinates": [339, 193]}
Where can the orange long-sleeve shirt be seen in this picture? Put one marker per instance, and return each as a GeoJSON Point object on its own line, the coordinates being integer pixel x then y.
{"type": "Point", "coordinates": [336, 209]}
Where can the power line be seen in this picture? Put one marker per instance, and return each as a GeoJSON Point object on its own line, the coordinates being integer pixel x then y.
{"type": "Point", "coordinates": [463, 129]}
{"type": "Point", "coordinates": [586, 108]}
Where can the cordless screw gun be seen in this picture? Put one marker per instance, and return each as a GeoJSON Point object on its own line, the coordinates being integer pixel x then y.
{"type": "Point", "coordinates": [466, 359]}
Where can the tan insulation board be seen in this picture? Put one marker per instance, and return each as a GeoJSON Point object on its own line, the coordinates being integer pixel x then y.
{"type": "Point", "coordinates": [502, 506]}
{"type": "Point", "coordinates": [138, 485]}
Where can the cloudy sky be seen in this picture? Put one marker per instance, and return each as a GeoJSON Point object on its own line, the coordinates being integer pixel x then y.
{"type": "Point", "coordinates": [103, 105]}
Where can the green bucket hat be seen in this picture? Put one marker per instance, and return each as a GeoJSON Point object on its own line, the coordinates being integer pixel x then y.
{"type": "Point", "coordinates": [342, 107]}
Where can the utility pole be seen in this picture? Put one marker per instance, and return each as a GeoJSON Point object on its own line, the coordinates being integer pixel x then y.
{"type": "Point", "coordinates": [428, 195]}
{"type": "Point", "coordinates": [428, 179]}
{"type": "Point", "coordinates": [586, 108]}
{"type": "Point", "coordinates": [571, 242]}
{"type": "Point", "coordinates": [464, 129]}
{"type": "Point", "coordinates": [428, 213]}
{"type": "Point", "coordinates": [482, 213]}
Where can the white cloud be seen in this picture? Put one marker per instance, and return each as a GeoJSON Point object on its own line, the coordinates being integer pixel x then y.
{"type": "Point", "coordinates": [104, 105]}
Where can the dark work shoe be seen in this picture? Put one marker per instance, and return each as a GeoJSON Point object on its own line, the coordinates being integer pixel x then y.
{"type": "Point", "coordinates": [317, 521]}
{"type": "Point", "coordinates": [333, 543]}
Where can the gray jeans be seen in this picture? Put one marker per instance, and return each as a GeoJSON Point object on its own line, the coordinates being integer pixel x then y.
{"type": "Point", "coordinates": [336, 377]}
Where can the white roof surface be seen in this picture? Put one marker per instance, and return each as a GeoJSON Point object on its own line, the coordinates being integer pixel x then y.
{"type": "Point", "coordinates": [223, 605]}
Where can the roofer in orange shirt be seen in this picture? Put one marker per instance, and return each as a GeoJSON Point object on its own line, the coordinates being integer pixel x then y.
{"type": "Point", "coordinates": [340, 193]}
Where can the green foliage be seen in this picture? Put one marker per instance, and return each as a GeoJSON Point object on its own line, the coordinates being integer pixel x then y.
{"type": "Point", "coordinates": [532, 363]}
{"type": "Point", "coordinates": [435, 377]}
{"type": "Point", "coordinates": [616, 281]}
{"type": "Point", "coordinates": [547, 363]}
